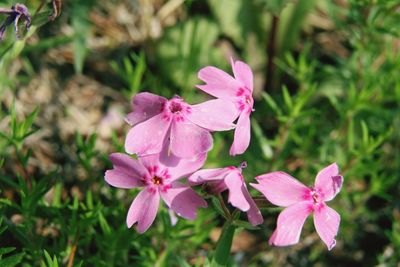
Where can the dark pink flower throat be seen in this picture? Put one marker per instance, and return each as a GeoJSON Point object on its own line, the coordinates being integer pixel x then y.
{"type": "Point", "coordinates": [175, 107]}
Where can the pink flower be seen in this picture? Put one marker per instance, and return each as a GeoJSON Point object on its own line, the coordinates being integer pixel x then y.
{"type": "Point", "coordinates": [300, 201]}
{"type": "Point", "coordinates": [237, 89]}
{"type": "Point", "coordinates": [157, 181]}
{"type": "Point", "coordinates": [182, 127]}
{"type": "Point", "coordinates": [230, 178]}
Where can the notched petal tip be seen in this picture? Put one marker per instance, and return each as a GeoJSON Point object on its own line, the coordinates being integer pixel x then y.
{"type": "Point", "coordinates": [337, 182]}
{"type": "Point", "coordinates": [107, 175]}
{"type": "Point", "coordinates": [232, 60]}
{"type": "Point", "coordinates": [128, 120]}
{"type": "Point", "coordinates": [114, 156]}
{"type": "Point", "coordinates": [129, 223]}
{"type": "Point", "coordinates": [332, 245]}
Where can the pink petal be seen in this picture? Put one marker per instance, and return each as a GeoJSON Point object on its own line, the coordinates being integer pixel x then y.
{"type": "Point", "coordinates": [172, 217]}
{"type": "Point", "coordinates": [127, 164]}
{"type": "Point", "coordinates": [253, 214]}
{"type": "Point", "coordinates": [281, 189]}
{"type": "Point", "coordinates": [189, 140]}
{"type": "Point", "coordinates": [166, 157]}
{"type": "Point", "coordinates": [143, 210]}
{"type": "Point", "coordinates": [243, 73]}
{"type": "Point", "coordinates": [127, 172]}
{"type": "Point", "coordinates": [183, 200]}
{"type": "Point", "coordinates": [145, 105]}
{"type": "Point", "coordinates": [218, 83]}
{"type": "Point", "coordinates": [289, 225]}
{"type": "Point", "coordinates": [147, 137]}
{"type": "Point", "coordinates": [186, 167]}
{"type": "Point", "coordinates": [208, 175]}
{"type": "Point", "coordinates": [326, 222]}
{"type": "Point", "coordinates": [234, 183]}
{"type": "Point", "coordinates": [329, 182]}
{"type": "Point", "coordinates": [181, 168]}
{"type": "Point", "coordinates": [214, 115]}
{"type": "Point", "coordinates": [241, 139]}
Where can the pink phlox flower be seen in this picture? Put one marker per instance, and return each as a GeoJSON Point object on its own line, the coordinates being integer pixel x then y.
{"type": "Point", "coordinates": [300, 201]}
{"type": "Point", "coordinates": [158, 181]}
{"type": "Point", "coordinates": [238, 90]}
{"type": "Point", "coordinates": [184, 128]}
{"type": "Point", "coordinates": [230, 178]}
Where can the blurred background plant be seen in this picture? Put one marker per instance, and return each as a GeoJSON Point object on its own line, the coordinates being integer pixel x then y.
{"type": "Point", "coordinates": [327, 89]}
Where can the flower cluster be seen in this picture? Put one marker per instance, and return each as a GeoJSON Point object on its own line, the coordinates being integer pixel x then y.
{"type": "Point", "coordinates": [171, 139]}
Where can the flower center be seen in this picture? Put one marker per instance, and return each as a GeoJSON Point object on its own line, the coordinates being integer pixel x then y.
{"type": "Point", "coordinates": [248, 100]}
{"type": "Point", "coordinates": [157, 180]}
{"type": "Point", "coordinates": [245, 99]}
{"type": "Point", "coordinates": [315, 196]}
{"type": "Point", "coordinates": [175, 107]}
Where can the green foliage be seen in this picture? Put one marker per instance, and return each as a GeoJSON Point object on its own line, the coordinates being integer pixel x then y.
{"type": "Point", "coordinates": [132, 75]}
{"type": "Point", "coordinates": [185, 48]}
{"type": "Point", "coordinates": [335, 98]}
{"type": "Point", "coordinates": [222, 251]}
{"type": "Point", "coordinates": [81, 26]}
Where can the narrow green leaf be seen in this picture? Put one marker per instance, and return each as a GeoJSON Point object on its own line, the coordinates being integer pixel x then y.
{"type": "Point", "coordinates": [89, 199]}
{"type": "Point", "coordinates": [57, 195]}
{"type": "Point", "coordinates": [224, 244]}
{"type": "Point", "coordinates": [287, 98]}
{"type": "Point", "coordinates": [262, 140]}
{"type": "Point", "coordinates": [245, 225]}
{"type": "Point", "coordinates": [12, 261]}
{"type": "Point", "coordinates": [365, 136]}
{"type": "Point", "coordinates": [55, 261]}
{"type": "Point", "coordinates": [218, 207]}
{"type": "Point", "coordinates": [105, 227]}
{"type": "Point", "coordinates": [138, 73]}
{"type": "Point", "coordinates": [48, 258]}
{"type": "Point", "coordinates": [350, 134]}
{"type": "Point", "coordinates": [6, 250]}
{"type": "Point", "coordinates": [28, 122]}
{"type": "Point", "coordinates": [271, 103]}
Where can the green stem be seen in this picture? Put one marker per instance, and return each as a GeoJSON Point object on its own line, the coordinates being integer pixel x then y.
{"type": "Point", "coordinates": [224, 245]}
{"type": "Point", "coordinates": [223, 206]}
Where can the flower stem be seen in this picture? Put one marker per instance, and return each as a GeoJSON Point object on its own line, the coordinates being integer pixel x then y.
{"type": "Point", "coordinates": [224, 245]}
{"type": "Point", "coordinates": [224, 208]}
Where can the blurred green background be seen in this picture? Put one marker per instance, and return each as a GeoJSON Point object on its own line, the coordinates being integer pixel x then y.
{"type": "Point", "coordinates": [327, 89]}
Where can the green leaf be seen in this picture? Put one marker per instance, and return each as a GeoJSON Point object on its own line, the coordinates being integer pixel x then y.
{"type": "Point", "coordinates": [12, 260]}
{"type": "Point", "coordinates": [105, 227]}
{"type": "Point", "coordinates": [81, 26]}
{"type": "Point", "coordinates": [27, 124]}
{"type": "Point", "coordinates": [271, 103]}
{"type": "Point", "coordinates": [55, 261]}
{"type": "Point", "coordinates": [365, 135]}
{"type": "Point", "coordinates": [291, 22]}
{"type": "Point", "coordinates": [11, 53]}
{"type": "Point", "coordinates": [238, 19]}
{"type": "Point", "coordinates": [48, 258]}
{"type": "Point", "coordinates": [275, 6]}
{"type": "Point", "coordinates": [224, 244]}
{"type": "Point", "coordinates": [218, 206]}
{"type": "Point", "coordinates": [57, 195]}
{"type": "Point", "coordinates": [186, 48]}
{"type": "Point", "coordinates": [262, 140]}
{"type": "Point", "coordinates": [6, 250]}
{"type": "Point", "coordinates": [245, 225]}
{"type": "Point", "coordinates": [287, 98]}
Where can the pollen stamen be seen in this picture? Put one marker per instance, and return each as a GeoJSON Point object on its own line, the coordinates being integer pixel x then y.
{"type": "Point", "coordinates": [157, 180]}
